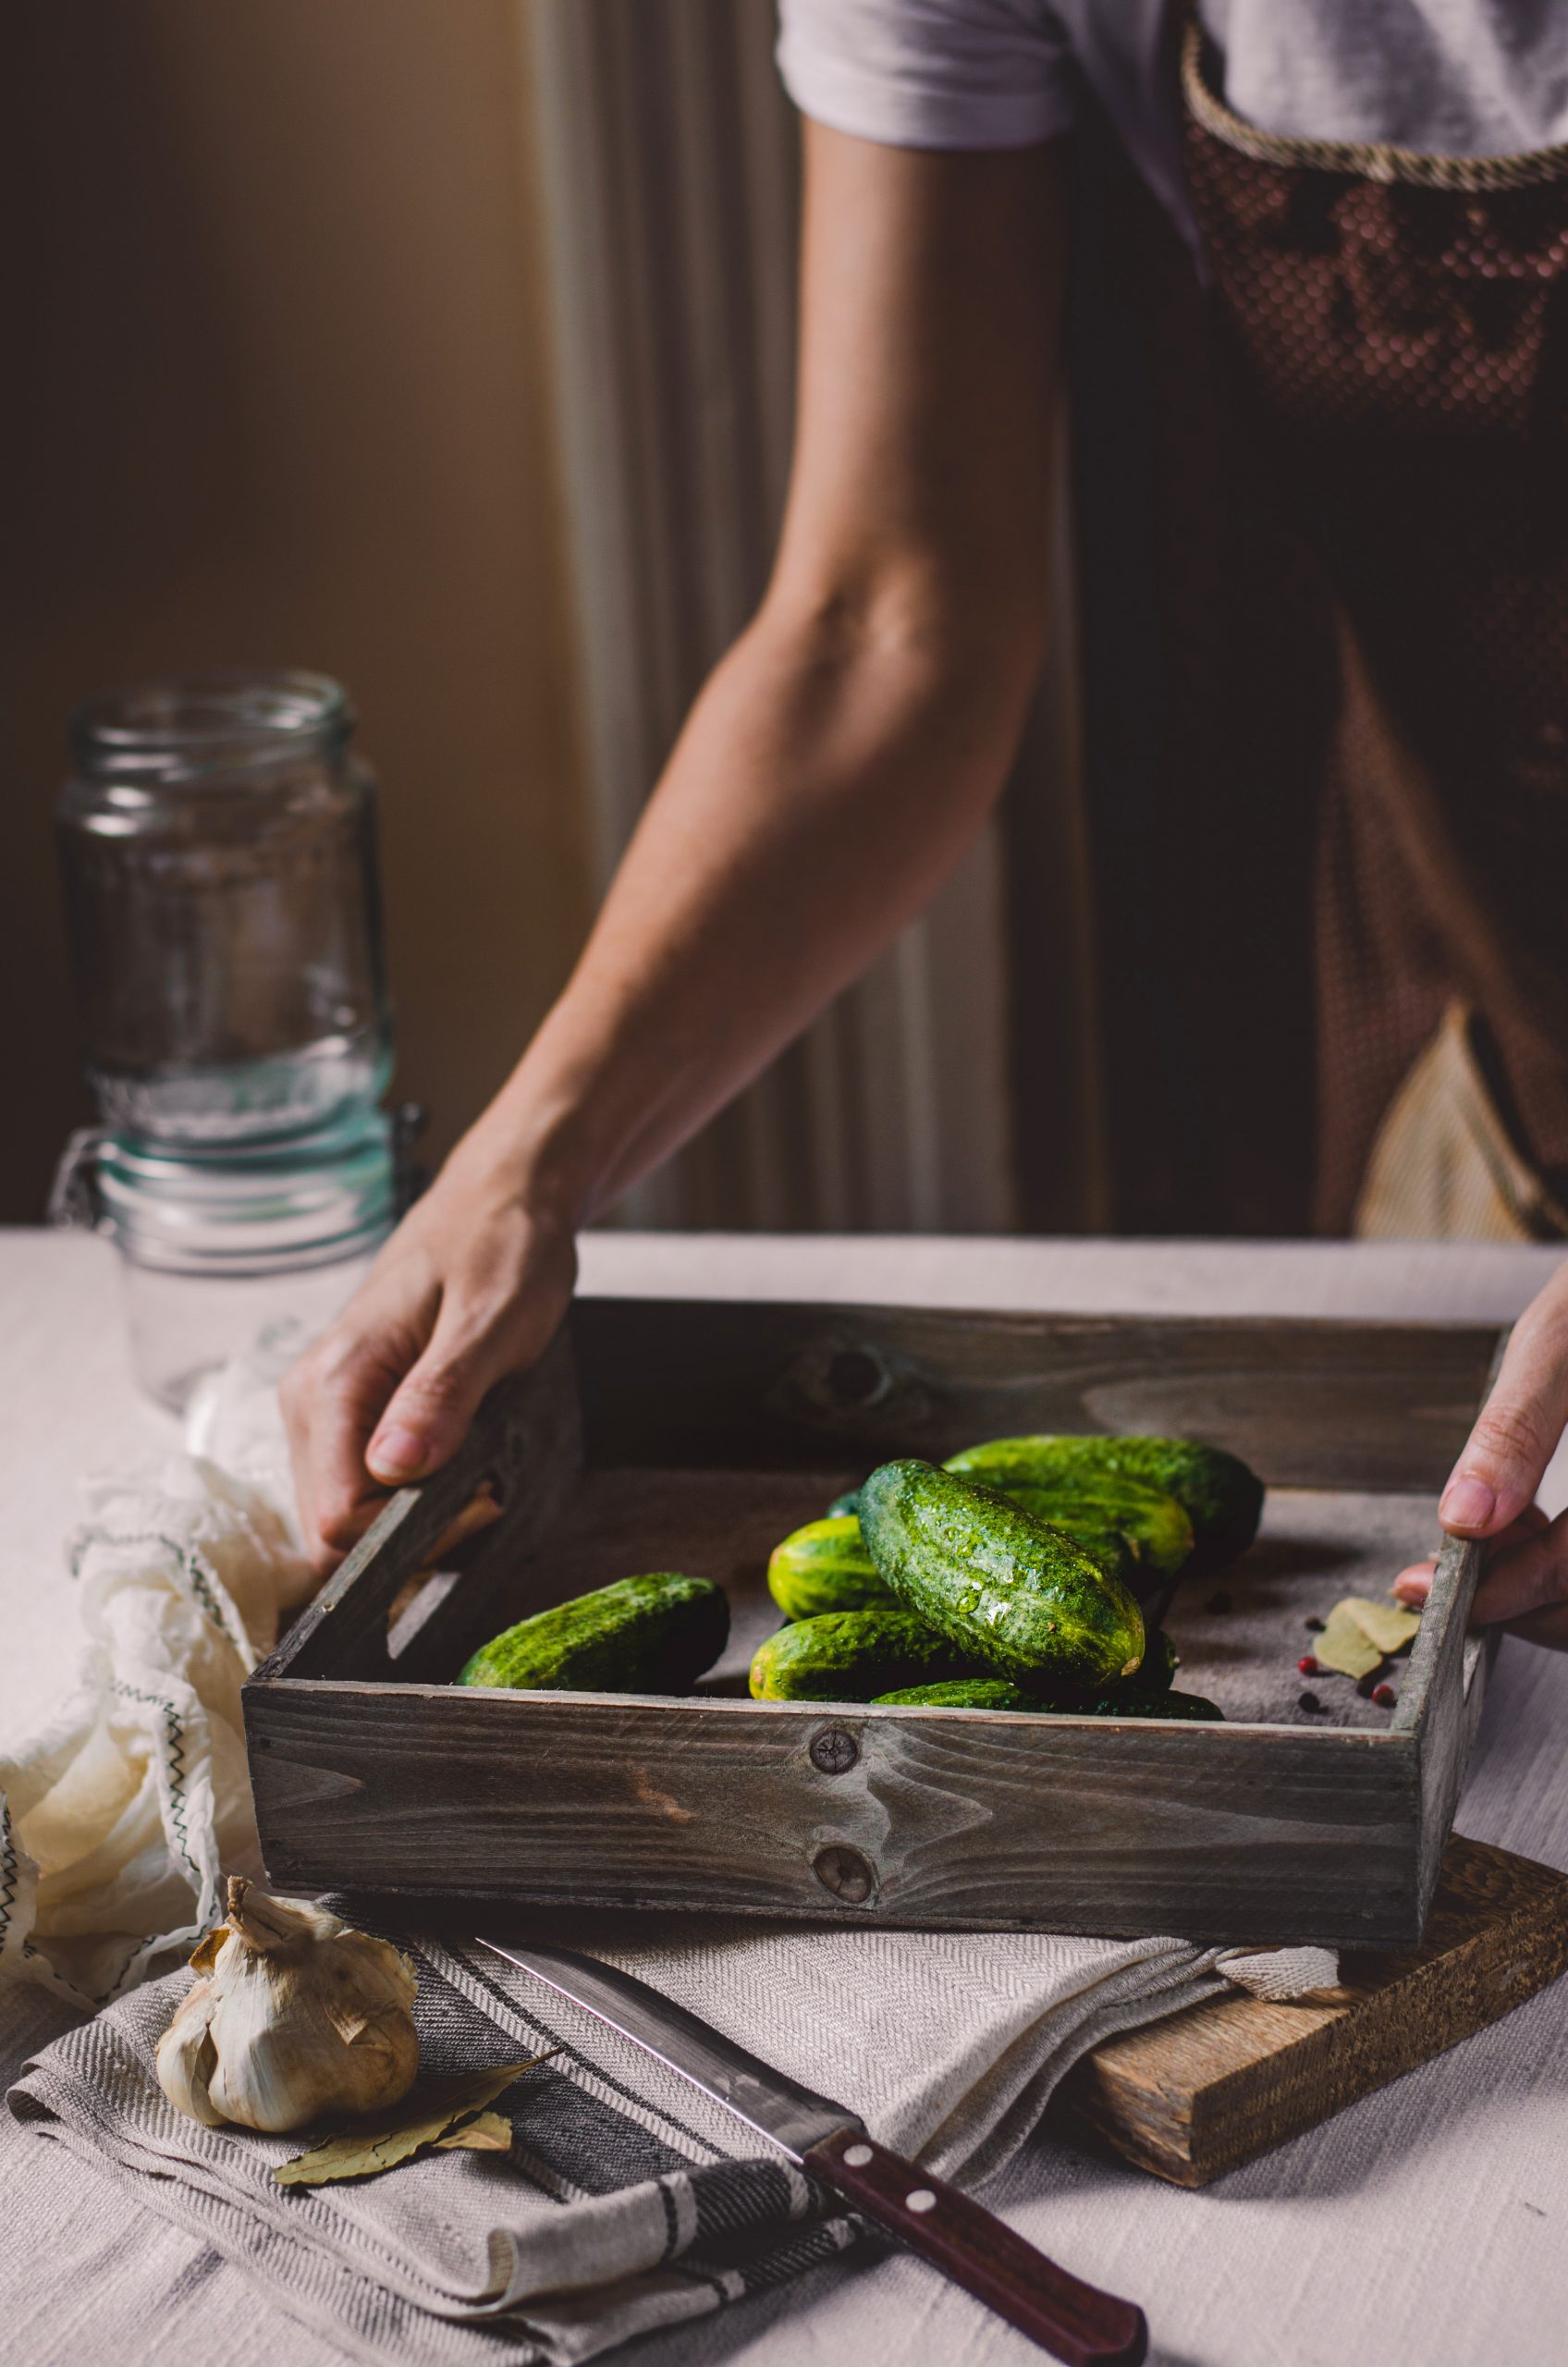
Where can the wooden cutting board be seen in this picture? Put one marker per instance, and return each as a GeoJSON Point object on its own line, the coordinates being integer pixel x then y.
{"type": "Point", "coordinates": [1211, 2087]}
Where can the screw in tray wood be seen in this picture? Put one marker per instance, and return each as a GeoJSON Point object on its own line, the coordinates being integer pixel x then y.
{"type": "Point", "coordinates": [845, 1872]}
{"type": "Point", "coordinates": [834, 1751]}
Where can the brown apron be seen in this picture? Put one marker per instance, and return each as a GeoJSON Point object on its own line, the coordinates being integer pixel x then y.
{"type": "Point", "coordinates": [1393, 332]}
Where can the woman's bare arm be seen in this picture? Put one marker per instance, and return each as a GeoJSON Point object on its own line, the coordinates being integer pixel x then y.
{"type": "Point", "coordinates": [834, 769]}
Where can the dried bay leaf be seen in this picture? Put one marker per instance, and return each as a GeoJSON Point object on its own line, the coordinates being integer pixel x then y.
{"type": "Point", "coordinates": [432, 2111]}
{"type": "Point", "coordinates": [488, 2132]}
{"type": "Point", "coordinates": [1346, 1645]}
{"type": "Point", "coordinates": [1388, 1625]}
{"type": "Point", "coordinates": [1360, 1633]}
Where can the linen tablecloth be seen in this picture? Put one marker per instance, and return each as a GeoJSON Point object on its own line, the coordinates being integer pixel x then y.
{"type": "Point", "coordinates": [1426, 2223]}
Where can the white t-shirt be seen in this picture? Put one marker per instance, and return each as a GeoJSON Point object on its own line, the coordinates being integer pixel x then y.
{"type": "Point", "coordinates": [1458, 77]}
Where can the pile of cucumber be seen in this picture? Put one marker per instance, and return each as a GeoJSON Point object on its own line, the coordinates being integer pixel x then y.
{"type": "Point", "coordinates": [1007, 1580]}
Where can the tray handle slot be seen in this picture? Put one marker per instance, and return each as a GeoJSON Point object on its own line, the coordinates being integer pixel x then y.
{"type": "Point", "coordinates": [526, 1446]}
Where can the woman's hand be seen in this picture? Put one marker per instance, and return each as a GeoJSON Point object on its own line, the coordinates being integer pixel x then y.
{"type": "Point", "coordinates": [1491, 1492]}
{"type": "Point", "coordinates": [471, 1287]}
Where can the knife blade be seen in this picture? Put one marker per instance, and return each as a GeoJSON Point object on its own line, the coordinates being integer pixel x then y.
{"type": "Point", "coordinates": [1082, 2325]}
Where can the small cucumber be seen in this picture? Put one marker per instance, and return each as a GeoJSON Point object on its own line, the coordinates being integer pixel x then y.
{"type": "Point", "coordinates": [1020, 1596]}
{"type": "Point", "coordinates": [853, 1656]}
{"type": "Point", "coordinates": [962, 1693]}
{"type": "Point", "coordinates": [846, 1504]}
{"type": "Point", "coordinates": [1153, 1527]}
{"type": "Point", "coordinates": [995, 1693]}
{"type": "Point", "coordinates": [1154, 1674]}
{"type": "Point", "coordinates": [655, 1634]}
{"type": "Point", "coordinates": [1221, 1497]}
{"type": "Point", "coordinates": [1134, 1703]}
{"type": "Point", "coordinates": [825, 1566]}
{"type": "Point", "coordinates": [1115, 1552]}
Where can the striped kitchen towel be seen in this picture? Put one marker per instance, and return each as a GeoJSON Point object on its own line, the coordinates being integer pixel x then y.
{"type": "Point", "coordinates": [627, 2201]}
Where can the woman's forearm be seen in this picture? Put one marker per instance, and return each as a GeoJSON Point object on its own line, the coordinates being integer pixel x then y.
{"type": "Point", "coordinates": [826, 781]}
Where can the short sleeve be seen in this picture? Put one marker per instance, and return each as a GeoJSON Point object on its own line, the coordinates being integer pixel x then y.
{"type": "Point", "coordinates": [929, 73]}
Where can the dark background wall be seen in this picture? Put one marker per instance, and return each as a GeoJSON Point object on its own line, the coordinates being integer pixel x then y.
{"type": "Point", "coordinates": [276, 392]}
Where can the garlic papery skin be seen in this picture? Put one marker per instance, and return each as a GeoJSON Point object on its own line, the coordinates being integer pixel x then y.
{"type": "Point", "coordinates": [297, 2016]}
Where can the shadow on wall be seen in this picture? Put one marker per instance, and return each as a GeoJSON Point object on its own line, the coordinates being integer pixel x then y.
{"type": "Point", "coordinates": [276, 393]}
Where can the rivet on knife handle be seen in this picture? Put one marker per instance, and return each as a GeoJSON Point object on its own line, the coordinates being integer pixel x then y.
{"type": "Point", "coordinates": [1082, 2325]}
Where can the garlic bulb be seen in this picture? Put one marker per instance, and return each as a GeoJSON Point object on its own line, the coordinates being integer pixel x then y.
{"type": "Point", "coordinates": [298, 2015]}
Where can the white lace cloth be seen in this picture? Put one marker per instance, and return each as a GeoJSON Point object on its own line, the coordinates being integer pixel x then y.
{"type": "Point", "coordinates": [120, 1815]}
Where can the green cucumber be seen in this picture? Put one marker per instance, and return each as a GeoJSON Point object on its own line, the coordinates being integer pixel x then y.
{"type": "Point", "coordinates": [849, 1503]}
{"type": "Point", "coordinates": [1221, 1497]}
{"type": "Point", "coordinates": [1149, 1682]}
{"type": "Point", "coordinates": [1020, 1597]}
{"type": "Point", "coordinates": [655, 1634]}
{"type": "Point", "coordinates": [1153, 1529]}
{"type": "Point", "coordinates": [853, 1656]}
{"type": "Point", "coordinates": [995, 1693]}
{"type": "Point", "coordinates": [1115, 1552]}
{"type": "Point", "coordinates": [1115, 1703]}
{"type": "Point", "coordinates": [962, 1693]}
{"type": "Point", "coordinates": [825, 1566]}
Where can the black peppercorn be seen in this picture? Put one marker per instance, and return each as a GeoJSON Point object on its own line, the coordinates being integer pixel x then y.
{"type": "Point", "coordinates": [1310, 1701]}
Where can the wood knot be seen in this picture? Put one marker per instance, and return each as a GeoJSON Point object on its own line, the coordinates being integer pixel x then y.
{"type": "Point", "coordinates": [856, 1386]}
{"type": "Point", "coordinates": [856, 1376]}
{"type": "Point", "coordinates": [845, 1872]}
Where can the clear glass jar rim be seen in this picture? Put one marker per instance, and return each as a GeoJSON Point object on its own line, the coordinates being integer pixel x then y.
{"type": "Point", "coordinates": [258, 1210]}
{"type": "Point", "coordinates": [188, 726]}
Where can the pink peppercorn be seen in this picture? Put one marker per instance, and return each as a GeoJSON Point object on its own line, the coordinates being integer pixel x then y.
{"type": "Point", "coordinates": [1384, 1695]}
{"type": "Point", "coordinates": [1307, 1664]}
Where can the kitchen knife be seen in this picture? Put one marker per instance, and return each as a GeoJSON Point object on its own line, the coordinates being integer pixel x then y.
{"type": "Point", "coordinates": [1082, 2325]}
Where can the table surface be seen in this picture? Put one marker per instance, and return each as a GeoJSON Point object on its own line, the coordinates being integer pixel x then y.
{"type": "Point", "coordinates": [1429, 2224]}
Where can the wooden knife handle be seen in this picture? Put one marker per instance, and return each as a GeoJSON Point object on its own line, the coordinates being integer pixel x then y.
{"type": "Point", "coordinates": [1083, 2326]}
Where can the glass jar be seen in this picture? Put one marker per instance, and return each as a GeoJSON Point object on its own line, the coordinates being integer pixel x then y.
{"type": "Point", "coordinates": [253, 1254]}
{"type": "Point", "coordinates": [217, 845]}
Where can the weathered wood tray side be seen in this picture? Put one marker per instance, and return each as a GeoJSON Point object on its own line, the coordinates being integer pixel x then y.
{"type": "Point", "coordinates": [371, 1772]}
{"type": "Point", "coordinates": [1307, 1403]}
{"type": "Point", "coordinates": [959, 1819]}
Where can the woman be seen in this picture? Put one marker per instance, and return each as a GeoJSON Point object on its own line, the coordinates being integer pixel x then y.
{"type": "Point", "coordinates": [1390, 315]}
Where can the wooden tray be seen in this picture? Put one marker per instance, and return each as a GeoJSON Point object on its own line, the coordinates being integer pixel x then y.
{"type": "Point", "coordinates": [705, 1432]}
